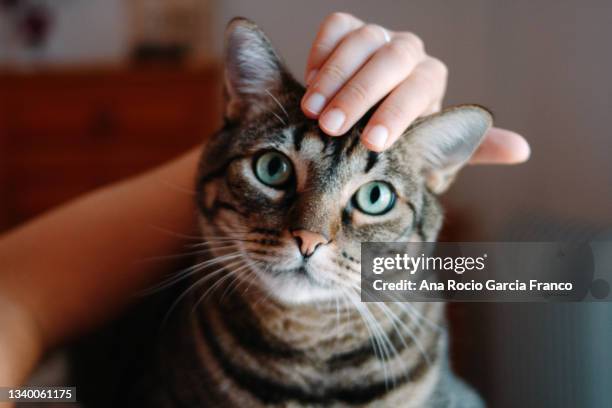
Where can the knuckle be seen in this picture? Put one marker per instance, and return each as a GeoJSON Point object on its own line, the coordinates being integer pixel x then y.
{"type": "Point", "coordinates": [438, 67]}
{"type": "Point", "coordinates": [372, 32]}
{"type": "Point", "coordinates": [334, 73]}
{"type": "Point", "coordinates": [415, 40]}
{"type": "Point", "coordinates": [424, 79]}
{"type": "Point", "coordinates": [356, 92]}
{"type": "Point", "coordinates": [322, 47]}
{"type": "Point", "coordinates": [394, 113]}
{"type": "Point", "coordinates": [403, 50]}
{"type": "Point", "coordinates": [338, 18]}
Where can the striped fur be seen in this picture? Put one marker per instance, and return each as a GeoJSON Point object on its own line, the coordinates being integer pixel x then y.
{"type": "Point", "coordinates": [260, 326]}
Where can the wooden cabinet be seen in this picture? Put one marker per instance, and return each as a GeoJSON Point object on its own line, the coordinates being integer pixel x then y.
{"type": "Point", "coordinates": [62, 134]}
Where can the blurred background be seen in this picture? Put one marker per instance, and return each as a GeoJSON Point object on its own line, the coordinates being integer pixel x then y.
{"type": "Point", "coordinates": [95, 90]}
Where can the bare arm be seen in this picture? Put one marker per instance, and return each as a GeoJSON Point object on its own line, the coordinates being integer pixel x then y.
{"type": "Point", "coordinates": [68, 270]}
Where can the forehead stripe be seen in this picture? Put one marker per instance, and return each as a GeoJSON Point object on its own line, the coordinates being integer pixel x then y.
{"type": "Point", "coordinates": [298, 136]}
{"type": "Point", "coordinates": [372, 160]}
{"type": "Point", "coordinates": [354, 143]}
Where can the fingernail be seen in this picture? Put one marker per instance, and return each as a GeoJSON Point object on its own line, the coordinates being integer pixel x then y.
{"type": "Point", "coordinates": [311, 76]}
{"type": "Point", "coordinates": [377, 136]}
{"type": "Point", "coordinates": [315, 103]}
{"type": "Point", "coordinates": [333, 120]}
{"type": "Point", "coordinates": [523, 150]}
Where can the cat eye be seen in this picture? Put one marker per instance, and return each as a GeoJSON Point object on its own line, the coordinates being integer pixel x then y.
{"type": "Point", "coordinates": [273, 169]}
{"type": "Point", "coordinates": [375, 198]}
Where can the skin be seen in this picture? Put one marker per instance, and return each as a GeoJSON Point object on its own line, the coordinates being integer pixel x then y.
{"type": "Point", "coordinates": [353, 65]}
{"type": "Point", "coordinates": [53, 289]}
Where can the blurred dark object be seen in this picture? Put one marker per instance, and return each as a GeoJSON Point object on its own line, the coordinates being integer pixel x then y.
{"type": "Point", "coordinates": [159, 53]}
{"type": "Point", "coordinates": [32, 22]}
{"type": "Point", "coordinates": [62, 134]}
{"type": "Point", "coordinates": [168, 32]}
{"type": "Point", "coordinates": [35, 25]}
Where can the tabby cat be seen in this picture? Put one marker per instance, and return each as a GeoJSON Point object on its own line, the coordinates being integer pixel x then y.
{"type": "Point", "coordinates": [273, 317]}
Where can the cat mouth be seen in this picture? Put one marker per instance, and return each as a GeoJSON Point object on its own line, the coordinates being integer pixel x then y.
{"type": "Point", "coordinates": [300, 272]}
{"type": "Point", "coordinates": [296, 283]}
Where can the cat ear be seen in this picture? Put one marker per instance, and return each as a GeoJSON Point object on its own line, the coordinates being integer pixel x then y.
{"type": "Point", "coordinates": [445, 141]}
{"type": "Point", "coordinates": [252, 68]}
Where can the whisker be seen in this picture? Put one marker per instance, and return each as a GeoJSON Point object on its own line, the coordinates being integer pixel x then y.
{"type": "Point", "coordinates": [176, 187]}
{"type": "Point", "coordinates": [182, 255]}
{"type": "Point", "coordinates": [374, 339]}
{"type": "Point", "coordinates": [272, 112]}
{"type": "Point", "coordinates": [277, 102]}
{"type": "Point", "coordinates": [185, 273]}
{"type": "Point", "coordinates": [395, 319]}
{"type": "Point", "coordinates": [176, 234]}
{"type": "Point", "coordinates": [217, 284]}
{"type": "Point", "coordinates": [194, 286]}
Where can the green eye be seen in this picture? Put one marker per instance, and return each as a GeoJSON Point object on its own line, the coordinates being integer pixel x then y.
{"type": "Point", "coordinates": [273, 169]}
{"type": "Point", "coordinates": [375, 198]}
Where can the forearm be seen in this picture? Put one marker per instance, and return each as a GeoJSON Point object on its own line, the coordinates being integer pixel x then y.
{"type": "Point", "coordinates": [20, 344]}
{"type": "Point", "coordinates": [77, 265]}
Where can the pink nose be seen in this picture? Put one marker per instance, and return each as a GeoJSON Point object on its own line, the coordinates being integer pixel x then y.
{"type": "Point", "coordinates": [308, 241]}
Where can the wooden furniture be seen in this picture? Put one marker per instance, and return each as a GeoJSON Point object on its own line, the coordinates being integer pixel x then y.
{"type": "Point", "coordinates": [64, 133]}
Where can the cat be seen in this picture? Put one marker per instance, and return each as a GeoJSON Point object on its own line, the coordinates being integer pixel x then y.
{"type": "Point", "coordinates": [274, 317]}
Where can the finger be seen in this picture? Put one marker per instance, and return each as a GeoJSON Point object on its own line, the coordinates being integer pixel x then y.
{"type": "Point", "coordinates": [407, 102]}
{"type": "Point", "coordinates": [389, 66]}
{"type": "Point", "coordinates": [412, 98]}
{"type": "Point", "coordinates": [435, 106]}
{"type": "Point", "coordinates": [502, 146]}
{"type": "Point", "coordinates": [348, 57]}
{"type": "Point", "coordinates": [333, 29]}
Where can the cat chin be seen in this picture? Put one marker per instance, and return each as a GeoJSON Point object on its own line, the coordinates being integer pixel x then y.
{"type": "Point", "coordinates": [302, 297]}
{"type": "Point", "coordinates": [295, 290]}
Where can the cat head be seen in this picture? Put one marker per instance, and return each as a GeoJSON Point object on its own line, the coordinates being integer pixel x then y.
{"type": "Point", "coordinates": [288, 206]}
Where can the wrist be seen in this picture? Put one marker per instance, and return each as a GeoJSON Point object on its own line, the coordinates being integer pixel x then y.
{"type": "Point", "coordinates": [21, 344]}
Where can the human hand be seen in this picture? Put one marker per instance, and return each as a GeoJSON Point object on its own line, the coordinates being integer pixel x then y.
{"type": "Point", "coordinates": [353, 65]}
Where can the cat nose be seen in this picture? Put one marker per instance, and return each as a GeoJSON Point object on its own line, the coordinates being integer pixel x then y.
{"type": "Point", "coordinates": [308, 241]}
